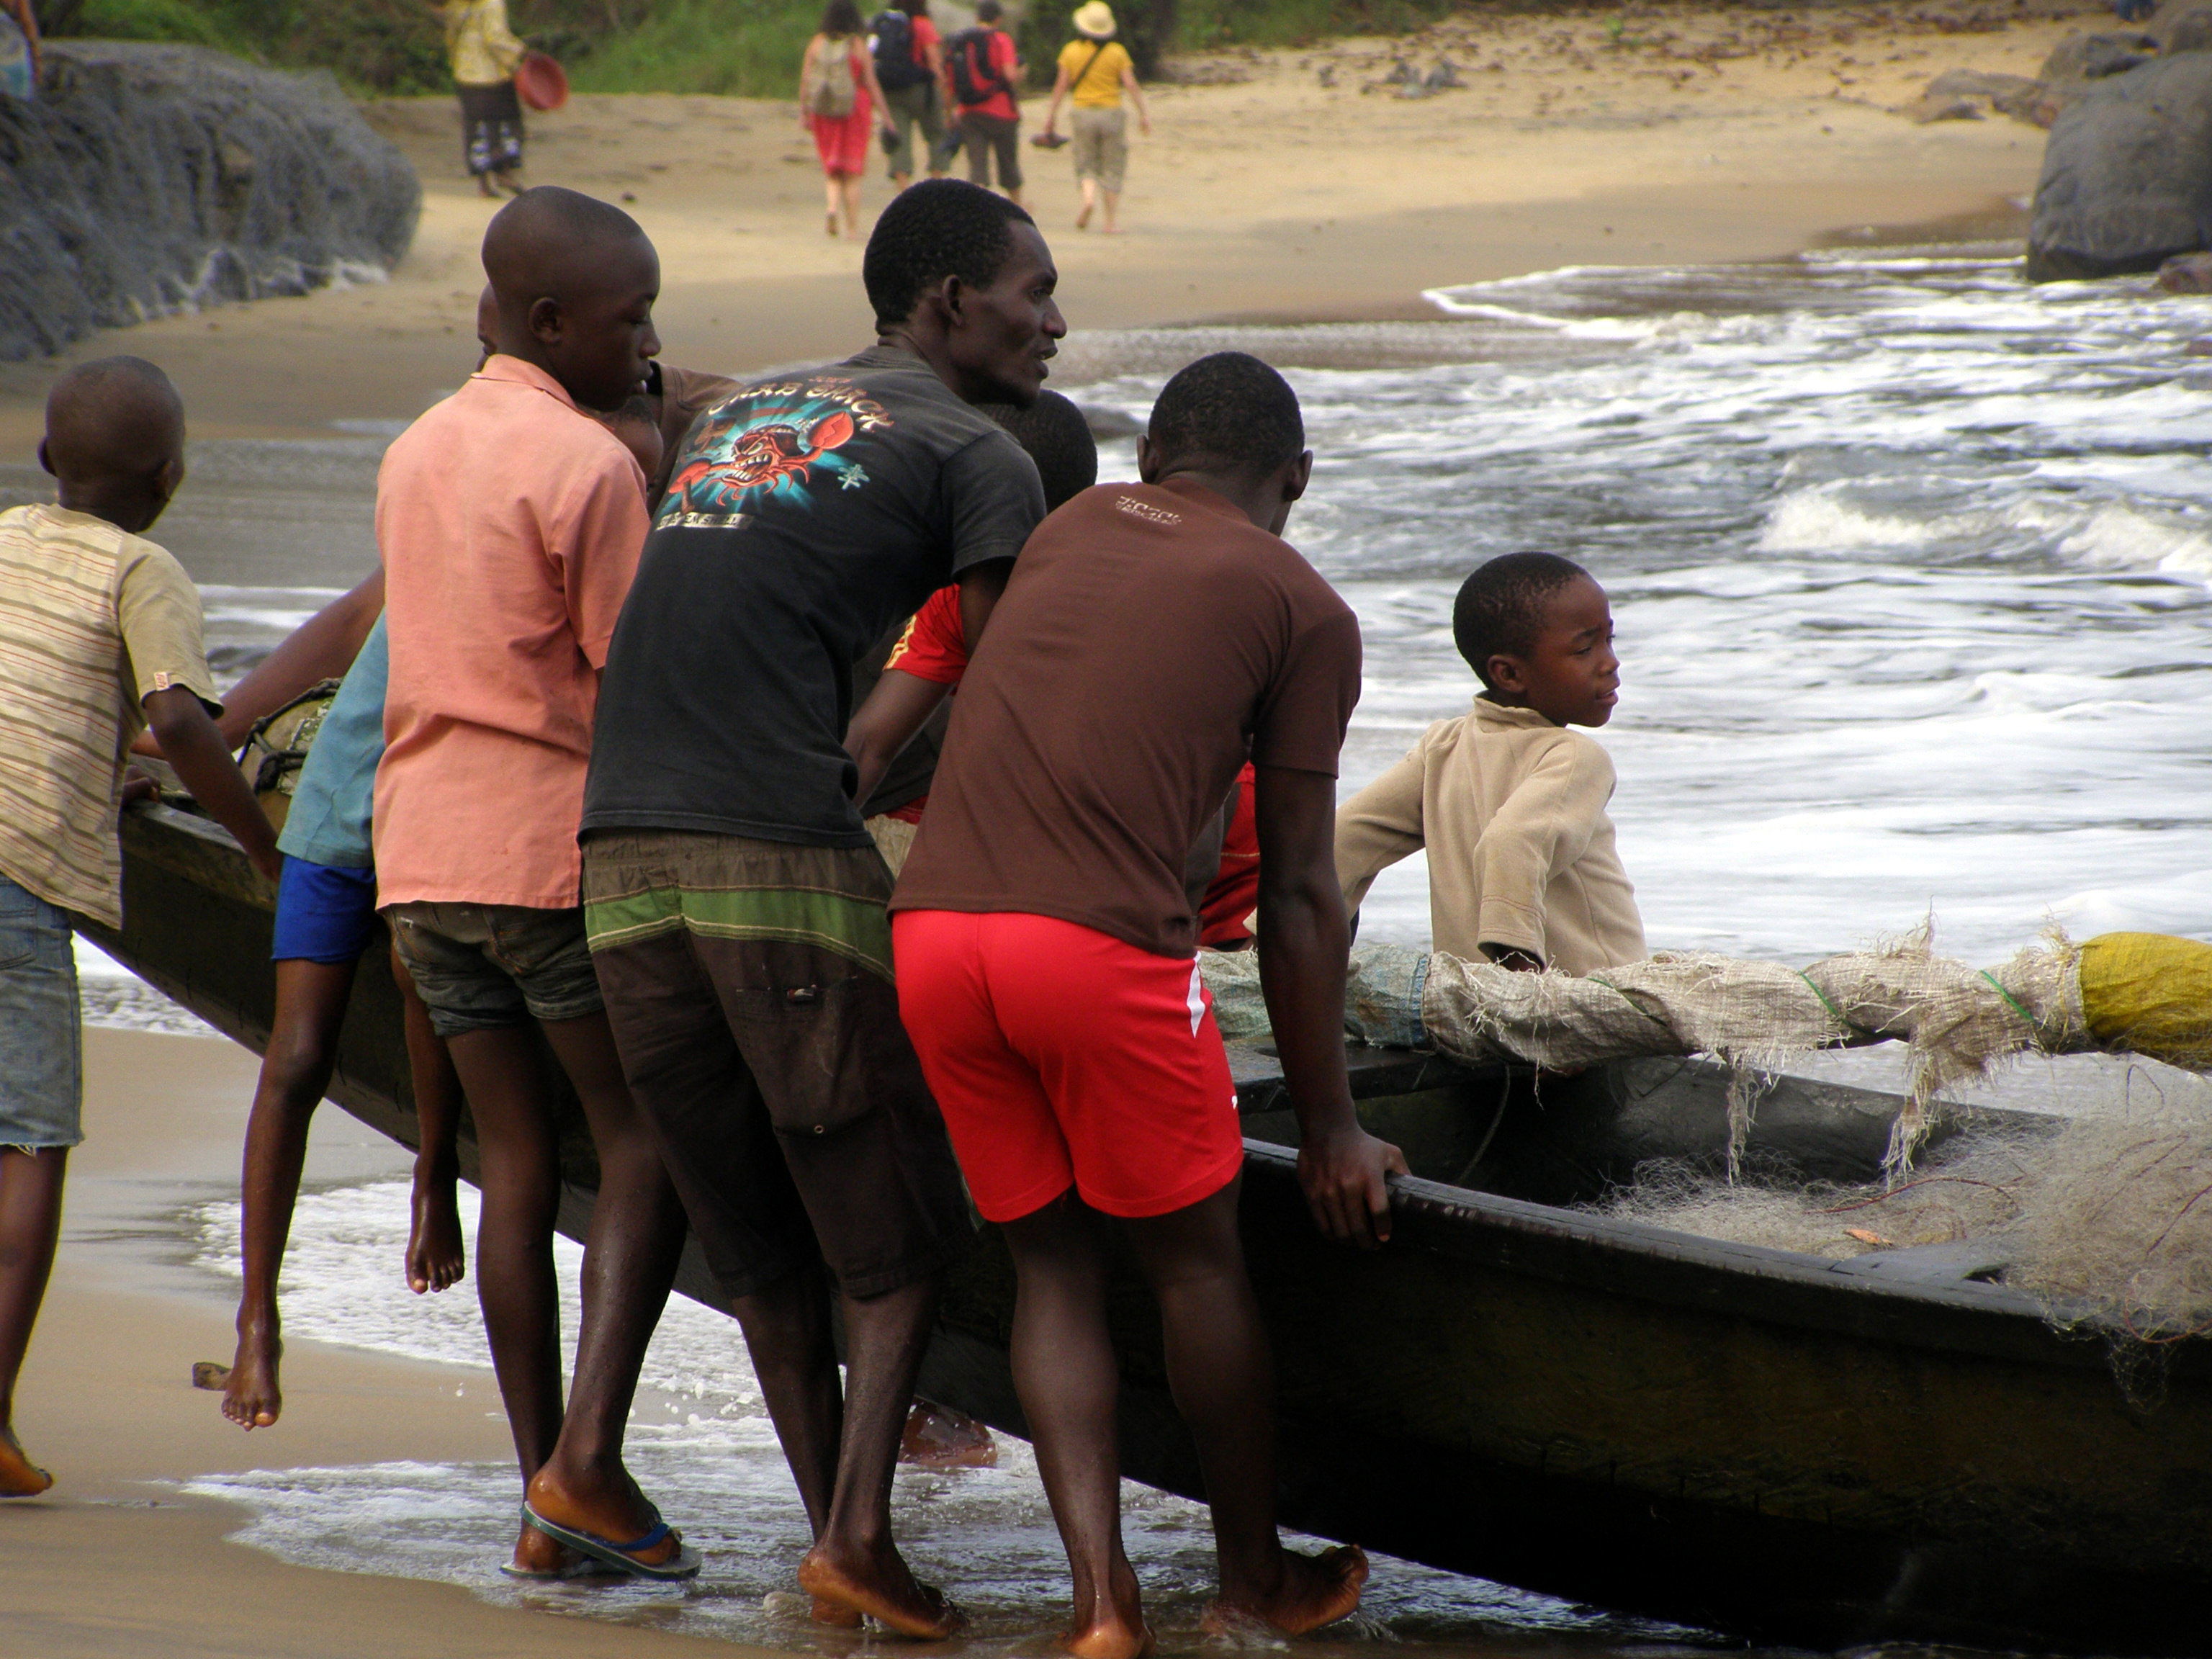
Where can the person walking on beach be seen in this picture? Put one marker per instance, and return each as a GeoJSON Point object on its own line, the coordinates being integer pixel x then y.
{"type": "Point", "coordinates": [1094, 73]}
{"type": "Point", "coordinates": [911, 67]}
{"type": "Point", "coordinates": [841, 103]}
{"type": "Point", "coordinates": [1153, 637]}
{"type": "Point", "coordinates": [734, 898]}
{"type": "Point", "coordinates": [510, 522]}
{"type": "Point", "coordinates": [100, 636]}
{"type": "Point", "coordinates": [983, 68]}
{"type": "Point", "coordinates": [19, 49]}
{"type": "Point", "coordinates": [485, 54]}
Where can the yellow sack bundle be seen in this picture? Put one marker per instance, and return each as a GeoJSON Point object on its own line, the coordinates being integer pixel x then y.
{"type": "Point", "coordinates": [2147, 994]}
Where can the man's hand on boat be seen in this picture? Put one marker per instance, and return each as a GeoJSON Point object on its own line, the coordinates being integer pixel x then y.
{"type": "Point", "coordinates": [1346, 1174]}
{"type": "Point", "coordinates": [185, 729]}
{"type": "Point", "coordinates": [1304, 946]}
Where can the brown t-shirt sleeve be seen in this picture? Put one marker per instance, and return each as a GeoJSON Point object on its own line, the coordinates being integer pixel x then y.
{"type": "Point", "coordinates": [158, 611]}
{"type": "Point", "coordinates": [1303, 717]}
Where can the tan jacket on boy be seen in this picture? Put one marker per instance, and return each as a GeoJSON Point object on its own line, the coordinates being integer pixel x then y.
{"type": "Point", "coordinates": [1511, 809]}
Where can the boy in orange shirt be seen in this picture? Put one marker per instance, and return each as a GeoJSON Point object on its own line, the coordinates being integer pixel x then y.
{"type": "Point", "coordinates": [510, 521]}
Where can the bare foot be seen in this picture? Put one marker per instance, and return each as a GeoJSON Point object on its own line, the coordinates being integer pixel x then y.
{"type": "Point", "coordinates": [436, 1259]}
{"type": "Point", "coordinates": [836, 1616]}
{"type": "Point", "coordinates": [485, 186]}
{"type": "Point", "coordinates": [1083, 219]}
{"type": "Point", "coordinates": [1314, 1590]}
{"type": "Point", "coordinates": [606, 1504]}
{"type": "Point", "coordinates": [884, 1590]}
{"type": "Point", "coordinates": [1116, 1629]}
{"type": "Point", "coordinates": [19, 1476]}
{"type": "Point", "coordinates": [537, 1556]}
{"type": "Point", "coordinates": [938, 1438]}
{"type": "Point", "coordinates": [831, 224]}
{"type": "Point", "coordinates": [250, 1398]}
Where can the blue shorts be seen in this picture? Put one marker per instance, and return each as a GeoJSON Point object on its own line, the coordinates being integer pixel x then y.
{"type": "Point", "coordinates": [324, 912]}
{"type": "Point", "coordinates": [41, 1052]}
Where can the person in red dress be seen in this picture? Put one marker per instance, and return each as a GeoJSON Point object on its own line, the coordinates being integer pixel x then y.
{"type": "Point", "coordinates": [840, 103]}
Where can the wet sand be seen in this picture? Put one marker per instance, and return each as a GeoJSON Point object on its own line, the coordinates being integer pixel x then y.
{"type": "Point", "coordinates": [1694, 135]}
{"type": "Point", "coordinates": [115, 1561]}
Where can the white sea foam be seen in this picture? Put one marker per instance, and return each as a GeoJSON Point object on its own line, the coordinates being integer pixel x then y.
{"type": "Point", "coordinates": [701, 1445]}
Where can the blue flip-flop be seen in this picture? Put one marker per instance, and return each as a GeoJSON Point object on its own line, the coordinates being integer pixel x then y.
{"type": "Point", "coordinates": [685, 1564]}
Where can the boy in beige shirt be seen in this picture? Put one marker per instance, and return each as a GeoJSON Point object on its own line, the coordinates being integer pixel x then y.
{"type": "Point", "coordinates": [1509, 802]}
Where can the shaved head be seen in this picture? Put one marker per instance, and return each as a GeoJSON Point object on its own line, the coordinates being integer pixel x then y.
{"type": "Point", "coordinates": [553, 241]}
{"type": "Point", "coordinates": [115, 420]}
{"type": "Point", "coordinates": [573, 284]}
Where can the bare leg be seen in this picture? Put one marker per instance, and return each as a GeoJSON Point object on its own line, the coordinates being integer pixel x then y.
{"type": "Point", "coordinates": [303, 1042]}
{"type": "Point", "coordinates": [521, 1179]}
{"type": "Point", "coordinates": [629, 1263]}
{"type": "Point", "coordinates": [835, 198]}
{"type": "Point", "coordinates": [1113, 226]}
{"type": "Point", "coordinates": [1223, 1378]}
{"type": "Point", "coordinates": [30, 1225]}
{"type": "Point", "coordinates": [851, 189]}
{"type": "Point", "coordinates": [1090, 202]}
{"type": "Point", "coordinates": [1065, 1372]}
{"type": "Point", "coordinates": [854, 1564]}
{"type": "Point", "coordinates": [435, 1258]}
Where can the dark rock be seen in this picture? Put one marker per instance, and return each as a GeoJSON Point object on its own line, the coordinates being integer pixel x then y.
{"type": "Point", "coordinates": [2093, 56]}
{"type": "Point", "coordinates": [1401, 74]}
{"type": "Point", "coordinates": [2005, 94]}
{"type": "Point", "coordinates": [1328, 72]}
{"type": "Point", "coordinates": [144, 180]}
{"type": "Point", "coordinates": [1933, 108]}
{"type": "Point", "coordinates": [2127, 173]}
{"type": "Point", "coordinates": [2192, 32]}
{"type": "Point", "coordinates": [1444, 77]}
{"type": "Point", "coordinates": [1978, 84]}
{"type": "Point", "coordinates": [2186, 273]}
{"type": "Point", "coordinates": [1108, 424]}
{"type": "Point", "coordinates": [2168, 18]}
{"type": "Point", "coordinates": [2200, 347]}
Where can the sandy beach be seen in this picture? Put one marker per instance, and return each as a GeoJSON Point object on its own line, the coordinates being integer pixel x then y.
{"type": "Point", "coordinates": [115, 1561]}
{"type": "Point", "coordinates": [1584, 135]}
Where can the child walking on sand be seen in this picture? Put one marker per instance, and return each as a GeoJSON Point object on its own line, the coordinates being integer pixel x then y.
{"type": "Point", "coordinates": [1510, 802]}
{"type": "Point", "coordinates": [510, 522]}
{"type": "Point", "coordinates": [99, 635]}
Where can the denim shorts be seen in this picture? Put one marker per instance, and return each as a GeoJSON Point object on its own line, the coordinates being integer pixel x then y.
{"type": "Point", "coordinates": [480, 967]}
{"type": "Point", "coordinates": [325, 913]}
{"type": "Point", "coordinates": [41, 1055]}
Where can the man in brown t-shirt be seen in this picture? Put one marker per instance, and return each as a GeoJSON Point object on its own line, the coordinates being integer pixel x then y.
{"type": "Point", "coordinates": [1151, 637]}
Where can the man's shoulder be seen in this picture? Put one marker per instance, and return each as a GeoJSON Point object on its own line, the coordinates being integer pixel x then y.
{"type": "Point", "coordinates": [42, 534]}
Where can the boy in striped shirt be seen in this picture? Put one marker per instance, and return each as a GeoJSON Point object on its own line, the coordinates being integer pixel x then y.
{"type": "Point", "coordinates": [99, 636]}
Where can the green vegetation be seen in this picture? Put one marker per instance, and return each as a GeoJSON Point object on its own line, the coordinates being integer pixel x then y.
{"type": "Point", "coordinates": [748, 48]}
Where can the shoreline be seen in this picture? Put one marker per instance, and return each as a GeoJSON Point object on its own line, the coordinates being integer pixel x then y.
{"type": "Point", "coordinates": [106, 1401]}
{"type": "Point", "coordinates": [1264, 193]}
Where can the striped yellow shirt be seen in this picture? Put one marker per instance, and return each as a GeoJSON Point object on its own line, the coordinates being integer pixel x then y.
{"type": "Point", "coordinates": [93, 620]}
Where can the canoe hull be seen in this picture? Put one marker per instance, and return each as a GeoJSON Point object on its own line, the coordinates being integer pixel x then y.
{"type": "Point", "coordinates": [1714, 1434]}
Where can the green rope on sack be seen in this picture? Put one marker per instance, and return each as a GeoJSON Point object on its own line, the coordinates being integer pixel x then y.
{"type": "Point", "coordinates": [1600, 979]}
{"type": "Point", "coordinates": [2011, 1000]}
{"type": "Point", "coordinates": [1835, 1012]}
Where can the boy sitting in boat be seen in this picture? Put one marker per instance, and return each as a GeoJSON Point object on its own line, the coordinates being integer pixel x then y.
{"type": "Point", "coordinates": [1509, 802]}
{"type": "Point", "coordinates": [99, 635]}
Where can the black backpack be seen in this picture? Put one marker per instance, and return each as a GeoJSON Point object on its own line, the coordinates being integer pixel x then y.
{"type": "Point", "coordinates": [892, 46]}
{"type": "Point", "coordinates": [968, 55]}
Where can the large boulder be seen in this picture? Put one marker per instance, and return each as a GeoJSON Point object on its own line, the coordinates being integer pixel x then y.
{"type": "Point", "coordinates": [148, 178]}
{"type": "Point", "coordinates": [2127, 174]}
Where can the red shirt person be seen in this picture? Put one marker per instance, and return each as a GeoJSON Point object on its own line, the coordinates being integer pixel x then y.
{"type": "Point", "coordinates": [1152, 639]}
{"type": "Point", "coordinates": [983, 68]}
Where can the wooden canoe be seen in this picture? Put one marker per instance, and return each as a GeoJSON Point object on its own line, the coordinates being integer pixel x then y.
{"type": "Point", "coordinates": [1775, 1445]}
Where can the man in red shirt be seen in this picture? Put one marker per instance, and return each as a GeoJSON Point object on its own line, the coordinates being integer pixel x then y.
{"type": "Point", "coordinates": [1152, 638]}
{"type": "Point", "coordinates": [983, 67]}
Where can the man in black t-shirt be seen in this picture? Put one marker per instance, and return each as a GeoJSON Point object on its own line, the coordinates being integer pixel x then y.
{"type": "Point", "coordinates": [734, 902]}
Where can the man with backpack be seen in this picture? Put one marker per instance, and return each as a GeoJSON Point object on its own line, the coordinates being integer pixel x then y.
{"type": "Point", "coordinates": [983, 67]}
{"type": "Point", "coordinates": [910, 64]}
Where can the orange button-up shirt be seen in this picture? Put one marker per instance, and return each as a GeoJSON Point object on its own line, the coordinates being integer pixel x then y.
{"type": "Point", "coordinates": [510, 523]}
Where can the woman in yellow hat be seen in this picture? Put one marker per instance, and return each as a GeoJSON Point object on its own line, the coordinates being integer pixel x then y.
{"type": "Point", "coordinates": [1095, 70]}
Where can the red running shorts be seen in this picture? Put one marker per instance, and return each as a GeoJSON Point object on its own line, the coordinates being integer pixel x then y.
{"type": "Point", "coordinates": [1063, 1057]}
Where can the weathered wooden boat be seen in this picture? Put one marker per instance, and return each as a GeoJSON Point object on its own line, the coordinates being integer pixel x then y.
{"type": "Point", "coordinates": [1774, 1445]}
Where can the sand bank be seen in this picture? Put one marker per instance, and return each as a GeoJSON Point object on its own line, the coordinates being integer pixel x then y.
{"type": "Point", "coordinates": [115, 1561]}
{"type": "Point", "coordinates": [1690, 135]}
